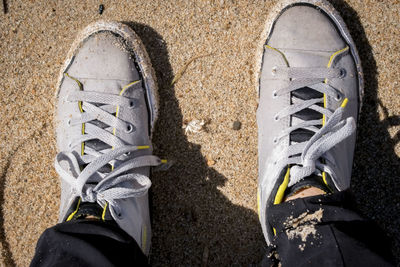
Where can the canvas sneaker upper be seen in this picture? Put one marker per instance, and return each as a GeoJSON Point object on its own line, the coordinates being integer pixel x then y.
{"type": "Point", "coordinates": [106, 110]}
{"type": "Point", "coordinates": [309, 92]}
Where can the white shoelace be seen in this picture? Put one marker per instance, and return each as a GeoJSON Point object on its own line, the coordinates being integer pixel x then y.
{"type": "Point", "coordinates": [306, 156]}
{"type": "Point", "coordinates": [116, 184]}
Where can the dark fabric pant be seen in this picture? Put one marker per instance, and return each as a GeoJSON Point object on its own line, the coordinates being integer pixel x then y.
{"type": "Point", "coordinates": [325, 231]}
{"type": "Point", "coordinates": [87, 243]}
{"type": "Point", "coordinates": [315, 231]}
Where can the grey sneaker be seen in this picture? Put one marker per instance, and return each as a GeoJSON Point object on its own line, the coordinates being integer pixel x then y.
{"type": "Point", "coordinates": [106, 110]}
{"type": "Point", "coordinates": [310, 89]}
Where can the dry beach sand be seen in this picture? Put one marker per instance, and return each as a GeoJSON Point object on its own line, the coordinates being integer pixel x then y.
{"type": "Point", "coordinates": [204, 207]}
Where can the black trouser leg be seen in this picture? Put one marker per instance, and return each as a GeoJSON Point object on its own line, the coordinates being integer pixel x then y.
{"type": "Point", "coordinates": [87, 243]}
{"type": "Point", "coordinates": [325, 231]}
{"type": "Point", "coordinates": [316, 231]}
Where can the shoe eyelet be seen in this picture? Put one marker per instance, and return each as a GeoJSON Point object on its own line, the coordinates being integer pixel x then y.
{"type": "Point", "coordinates": [275, 140]}
{"type": "Point", "coordinates": [69, 145]}
{"type": "Point", "coordinates": [274, 70]}
{"type": "Point", "coordinates": [276, 118]}
{"type": "Point", "coordinates": [129, 128]}
{"type": "Point", "coordinates": [338, 97]}
{"type": "Point", "coordinates": [342, 73]}
{"type": "Point", "coordinates": [127, 154]}
{"type": "Point", "coordinates": [131, 104]}
{"type": "Point", "coordinates": [69, 122]}
{"type": "Point", "coordinates": [274, 94]}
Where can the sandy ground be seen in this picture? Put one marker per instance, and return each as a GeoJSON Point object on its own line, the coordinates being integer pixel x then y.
{"type": "Point", "coordinates": [206, 204]}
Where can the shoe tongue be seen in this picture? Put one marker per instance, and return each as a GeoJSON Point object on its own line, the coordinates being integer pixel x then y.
{"type": "Point", "coordinates": [109, 86]}
{"type": "Point", "coordinates": [305, 59]}
{"type": "Point", "coordinates": [307, 182]}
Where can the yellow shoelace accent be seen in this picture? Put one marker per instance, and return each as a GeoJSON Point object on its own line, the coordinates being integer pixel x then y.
{"type": "Point", "coordinates": [76, 210]}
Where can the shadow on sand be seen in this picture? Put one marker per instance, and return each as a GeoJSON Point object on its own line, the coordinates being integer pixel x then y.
{"type": "Point", "coordinates": [375, 180]}
{"type": "Point", "coordinates": [190, 215]}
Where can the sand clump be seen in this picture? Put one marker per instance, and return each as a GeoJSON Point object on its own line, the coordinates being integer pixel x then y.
{"type": "Point", "coordinates": [303, 226]}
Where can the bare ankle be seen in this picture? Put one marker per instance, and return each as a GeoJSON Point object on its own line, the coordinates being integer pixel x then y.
{"type": "Point", "coordinates": [306, 192]}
